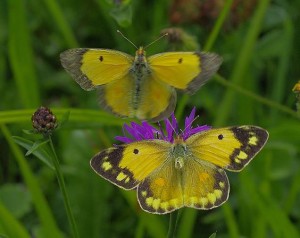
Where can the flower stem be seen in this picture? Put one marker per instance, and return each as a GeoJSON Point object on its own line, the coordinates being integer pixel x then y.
{"type": "Point", "coordinates": [62, 186]}
{"type": "Point", "coordinates": [173, 223]}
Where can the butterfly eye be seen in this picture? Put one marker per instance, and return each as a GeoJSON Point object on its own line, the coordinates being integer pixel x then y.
{"type": "Point", "coordinates": [220, 137]}
{"type": "Point", "coordinates": [136, 151]}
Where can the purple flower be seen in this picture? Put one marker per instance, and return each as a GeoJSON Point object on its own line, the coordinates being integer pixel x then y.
{"type": "Point", "coordinates": [145, 131]}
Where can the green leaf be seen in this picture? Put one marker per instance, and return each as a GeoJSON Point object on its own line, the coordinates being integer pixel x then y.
{"type": "Point", "coordinates": [3, 236]}
{"type": "Point", "coordinates": [16, 199]}
{"type": "Point", "coordinates": [64, 119]}
{"type": "Point", "coordinates": [43, 210]}
{"type": "Point", "coordinates": [29, 132]}
{"type": "Point", "coordinates": [36, 145]}
{"type": "Point", "coordinates": [39, 152]}
{"type": "Point", "coordinates": [21, 55]}
{"type": "Point", "coordinates": [10, 226]}
{"type": "Point", "coordinates": [213, 235]}
{"type": "Point", "coordinates": [122, 13]}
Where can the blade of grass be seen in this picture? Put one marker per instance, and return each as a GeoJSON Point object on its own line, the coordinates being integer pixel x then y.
{"type": "Point", "coordinates": [256, 97]}
{"type": "Point", "coordinates": [21, 54]}
{"type": "Point", "coordinates": [44, 212]}
{"type": "Point", "coordinates": [3, 39]}
{"type": "Point", "coordinates": [231, 221]}
{"type": "Point", "coordinates": [279, 86]}
{"type": "Point", "coordinates": [173, 221]}
{"type": "Point", "coordinates": [259, 228]}
{"type": "Point", "coordinates": [293, 193]}
{"type": "Point", "coordinates": [152, 223]}
{"type": "Point", "coordinates": [76, 115]}
{"type": "Point", "coordinates": [242, 61]}
{"type": "Point", "coordinates": [60, 21]}
{"type": "Point", "coordinates": [218, 26]}
{"type": "Point", "coordinates": [186, 225]}
{"type": "Point", "coordinates": [269, 209]}
{"type": "Point", "coordinates": [207, 47]}
{"type": "Point", "coordinates": [61, 182]}
{"type": "Point", "coordinates": [104, 11]}
{"type": "Point", "coordinates": [11, 226]}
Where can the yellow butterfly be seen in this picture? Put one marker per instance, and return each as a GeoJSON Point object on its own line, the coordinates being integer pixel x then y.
{"type": "Point", "coordinates": [296, 88]}
{"type": "Point", "coordinates": [138, 86]}
{"type": "Point", "coordinates": [183, 173]}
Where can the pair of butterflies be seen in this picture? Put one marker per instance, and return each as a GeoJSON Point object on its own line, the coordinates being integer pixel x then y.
{"type": "Point", "coordinates": [167, 176]}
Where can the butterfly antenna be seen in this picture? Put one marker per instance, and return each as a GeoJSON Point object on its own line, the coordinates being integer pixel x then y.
{"type": "Point", "coordinates": [162, 36]}
{"type": "Point", "coordinates": [196, 117]}
{"type": "Point", "coordinates": [175, 132]}
{"type": "Point", "coordinates": [127, 39]}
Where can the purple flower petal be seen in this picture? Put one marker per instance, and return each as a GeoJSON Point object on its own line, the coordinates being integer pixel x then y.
{"type": "Point", "coordinates": [174, 123]}
{"type": "Point", "coordinates": [169, 130]}
{"type": "Point", "coordinates": [196, 130]}
{"type": "Point", "coordinates": [145, 131]}
{"type": "Point", "coordinates": [189, 120]}
{"type": "Point", "coordinates": [123, 139]}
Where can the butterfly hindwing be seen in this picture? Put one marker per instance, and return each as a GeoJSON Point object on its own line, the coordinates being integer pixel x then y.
{"type": "Point", "coordinates": [231, 148]}
{"type": "Point", "coordinates": [205, 185]}
{"type": "Point", "coordinates": [161, 191]}
{"type": "Point", "coordinates": [154, 99]}
{"type": "Point", "coordinates": [187, 71]}
{"type": "Point", "coordinates": [116, 97]}
{"type": "Point", "coordinates": [127, 165]}
{"type": "Point", "coordinates": [157, 101]}
{"type": "Point", "coordinates": [94, 67]}
{"type": "Point", "coordinates": [199, 185]}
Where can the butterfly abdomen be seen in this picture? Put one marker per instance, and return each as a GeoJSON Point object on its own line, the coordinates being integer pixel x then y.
{"type": "Point", "coordinates": [140, 72]}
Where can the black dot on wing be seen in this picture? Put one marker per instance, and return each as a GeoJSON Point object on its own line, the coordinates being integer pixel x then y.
{"type": "Point", "coordinates": [136, 151]}
{"type": "Point", "coordinates": [220, 137]}
{"type": "Point", "coordinates": [180, 60]}
{"type": "Point", "coordinates": [101, 58]}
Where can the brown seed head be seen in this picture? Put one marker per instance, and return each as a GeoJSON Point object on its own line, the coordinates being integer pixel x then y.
{"type": "Point", "coordinates": [43, 121]}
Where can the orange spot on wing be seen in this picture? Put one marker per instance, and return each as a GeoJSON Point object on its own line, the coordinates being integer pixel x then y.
{"type": "Point", "coordinates": [203, 177]}
{"type": "Point", "coordinates": [160, 182]}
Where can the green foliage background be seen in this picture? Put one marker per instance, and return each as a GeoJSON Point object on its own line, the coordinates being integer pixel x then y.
{"type": "Point", "coordinates": [254, 86]}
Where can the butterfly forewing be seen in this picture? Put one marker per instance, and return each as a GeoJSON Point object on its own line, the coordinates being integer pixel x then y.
{"type": "Point", "coordinates": [187, 71]}
{"type": "Point", "coordinates": [127, 165]}
{"type": "Point", "coordinates": [93, 67]}
{"type": "Point", "coordinates": [231, 148]}
{"type": "Point", "coordinates": [107, 165]}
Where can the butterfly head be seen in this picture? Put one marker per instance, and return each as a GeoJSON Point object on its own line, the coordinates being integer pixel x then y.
{"type": "Point", "coordinates": [140, 56]}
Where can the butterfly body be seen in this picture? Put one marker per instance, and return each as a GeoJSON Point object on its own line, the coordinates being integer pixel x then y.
{"type": "Point", "coordinates": [139, 72]}
{"type": "Point", "coordinates": [139, 86]}
{"type": "Point", "coordinates": [188, 172]}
